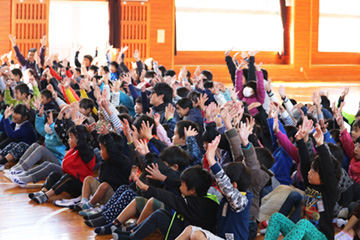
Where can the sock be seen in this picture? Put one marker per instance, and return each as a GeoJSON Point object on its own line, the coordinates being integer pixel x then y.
{"type": "Point", "coordinates": [84, 200]}
{"type": "Point", "coordinates": [118, 234]}
{"type": "Point", "coordinates": [35, 194]}
{"type": "Point", "coordinates": [93, 216]}
{"type": "Point", "coordinates": [25, 178]}
{"type": "Point", "coordinates": [106, 229]}
{"type": "Point", "coordinates": [87, 205]}
{"type": "Point", "coordinates": [41, 198]}
{"type": "Point", "coordinates": [97, 222]}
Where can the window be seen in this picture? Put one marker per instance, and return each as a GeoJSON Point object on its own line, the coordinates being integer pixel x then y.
{"type": "Point", "coordinates": [338, 26]}
{"type": "Point", "coordinates": [74, 23]}
{"type": "Point", "coordinates": [212, 25]}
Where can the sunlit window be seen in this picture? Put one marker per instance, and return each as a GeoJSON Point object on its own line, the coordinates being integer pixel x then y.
{"type": "Point", "coordinates": [339, 26]}
{"type": "Point", "coordinates": [74, 23]}
{"type": "Point", "coordinates": [213, 25]}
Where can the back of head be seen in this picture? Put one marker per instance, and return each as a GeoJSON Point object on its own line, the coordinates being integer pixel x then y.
{"type": "Point", "coordinates": [94, 68]}
{"type": "Point", "coordinates": [175, 155]}
{"type": "Point", "coordinates": [198, 179]}
{"type": "Point", "coordinates": [163, 88]}
{"type": "Point", "coordinates": [208, 84]}
{"type": "Point", "coordinates": [265, 157]}
{"type": "Point", "coordinates": [290, 131]}
{"type": "Point", "coordinates": [240, 174]}
{"type": "Point", "coordinates": [150, 74]}
{"type": "Point", "coordinates": [169, 73]}
{"type": "Point", "coordinates": [46, 93]}
{"type": "Point", "coordinates": [32, 50]}
{"type": "Point", "coordinates": [193, 96]}
{"type": "Point", "coordinates": [22, 88]}
{"type": "Point", "coordinates": [182, 92]}
{"type": "Point", "coordinates": [143, 117]}
{"type": "Point", "coordinates": [162, 70]}
{"type": "Point", "coordinates": [185, 103]}
{"type": "Point", "coordinates": [126, 116]}
{"type": "Point", "coordinates": [335, 134]}
{"type": "Point", "coordinates": [86, 103]}
{"type": "Point", "coordinates": [17, 72]}
{"type": "Point", "coordinates": [118, 140]}
{"type": "Point", "coordinates": [182, 124]}
{"type": "Point", "coordinates": [207, 74]}
{"type": "Point", "coordinates": [122, 109]}
{"type": "Point", "coordinates": [336, 151]}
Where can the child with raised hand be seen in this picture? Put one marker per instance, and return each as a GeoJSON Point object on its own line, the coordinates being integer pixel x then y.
{"type": "Point", "coordinates": [77, 164]}
{"type": "Point", "coordinates": [20, 130]}
{"type": "Point", "coordinates": [320, 195]}
{"type": "Point", "coordinates": [196, 207]}
{"type": "Point", "coordinates": [53, 151]}
{"type": "Point", "coordinates": [114, 171]}
{"type": "Point", "coordinates": [233, 213]}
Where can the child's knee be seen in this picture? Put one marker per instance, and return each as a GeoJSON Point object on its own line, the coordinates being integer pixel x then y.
{"type": "Point", "coordinates": [197, 235]}
{"type": "Point", "coordinates": [303, 222]}
{"type": "Point", "coordinates": [104, 186]}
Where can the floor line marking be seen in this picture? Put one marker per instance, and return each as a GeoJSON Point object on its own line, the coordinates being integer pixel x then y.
{"type": "Point", "coordinates": [45, 218]}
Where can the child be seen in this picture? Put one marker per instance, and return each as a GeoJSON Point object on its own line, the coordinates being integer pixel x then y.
{"type": "Point", "coordinates": [187, 112]}
{"type": "Point", "coordinates": [114, 171]}
{"type": "Point", "coordinates": [86, 106]}
{"type": "Point", "coordinates": [320, 195]}
{"type": "Point", "coordinates": [196, 207]}
{"type": "Point", "coordinates": [48, 101]}
{"type": "Point", "coordinates": [233, 213]}
{"type": "Point", "coordinates": [21, 93]}
{"type": "Point", "coordinates": [77, 164]}
{"type": "Point", "coordinates": [19, 130]}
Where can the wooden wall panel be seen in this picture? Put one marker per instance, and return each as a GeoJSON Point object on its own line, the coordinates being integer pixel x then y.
{"type": "Point", "coordinates": [5, 26]}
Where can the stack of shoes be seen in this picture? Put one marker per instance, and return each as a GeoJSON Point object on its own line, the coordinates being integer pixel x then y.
{"type": "Point", "coordinates": [91, 211]}
{"type": "Point", "coordinates": [76, 207]}
{"type": "Point", "coordinates": [67, 202]}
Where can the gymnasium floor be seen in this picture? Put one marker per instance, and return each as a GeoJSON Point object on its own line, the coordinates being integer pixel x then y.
{"type": "Point", "coordinates": [22, 219]}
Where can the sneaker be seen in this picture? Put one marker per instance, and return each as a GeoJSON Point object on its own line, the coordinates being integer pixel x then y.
{"type": "Point", "coordinates": [17, 181]}
{"type": "Point", "coordinates": [35, 194]}
{"type": "Point", "coordinates": [7, 171]}
{"type": "Point", "coordinates": [41, 198]}
{"type": "Point", "coordinates": [16, 172]}
{"type": "Point", "coordinates": [263, 231]}
{"type": "Point", "coordinates": [76, 207]}
{"type": "Point", "coordinates": [263, 224]}
{"type": "Point", "coordinates": [341, 222]}
{"type": "Point", "coordinates": [67, 202]}
{"type": "Point", "coordinates": [91, 211]}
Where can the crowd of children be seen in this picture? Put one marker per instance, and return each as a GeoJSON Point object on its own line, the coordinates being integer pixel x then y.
{"type": "Point", "coordinates": [180, 152]}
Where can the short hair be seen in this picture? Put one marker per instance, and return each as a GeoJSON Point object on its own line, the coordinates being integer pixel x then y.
{"type": "Point", "coordinates": [180, 125]}
{"type": "Point", "coordinates": [78, 70]}
{"type": "Point", "coordinates": [115, 64]}
{"type": "Point", "coordinates": [162, 70]}
{"type": "Point", "coordinates": [185, 103]}
{"type": "Point", "coordinates": [122, 109]}
{"type": "Point", "coordinates": [105, 68]}
{"type": "Point", "coordinates": [290, 131]}
{"type": "Point", "coordinates": [335, 134]}
{"type": "Point", "coordinates": [265, 73]}
{"type": "Point", "coordinates": [175, 155]}
{"type": "Point", "coordinates": [316, 165]}
{"type": "Point", "coordinates": [22, 88]}
{"type": "Point", "coordinates": [117, 140]}
{"type": "Point", "coordinates": [356, 124]}
{"type": "Point", "coordinates": [88, 57]}
{"type": "Point", "coordinates": [208, 84]}
{"type": "Point", "coordinates": [22, 110]}
{"type": "Point", "coordinates": [144, 118]}
{"type": "Point", "coordinates": [32, 50]}
{"type": "Point", "coordinates": [169, 73]}
{"type": "Point", "coordinates": [138, 100]}
{"type": "Point", "coordinates": [336, 151]}
{"type": "Point", "coordinates": [46, 93]}
{"type": "Point", "coordinates": [193, 96]}
{"type": "Point", "coordinates": [17, 72]}
{"type": "Point", "coordinates": [126, 116]}
{"type": "Point", "coordinates": [198, 179]}
{"type": "Point", "coordinates": [86, 103]}
{"type": "Point", "coordinates": [207, 74]}
{"type": "Point", "coordinates": [238, 173]}
{"type": "Point", "coordinates": [94, 68]}
{"type": "Point", "coordinates": [150, 74]}
{"type": "Point", "coordinates": [265, 157]}
{"type": "Point", "coordinates": [163, 88]}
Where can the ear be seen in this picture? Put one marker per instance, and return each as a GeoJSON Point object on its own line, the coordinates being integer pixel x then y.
{"type": "Point", "coordinates": [175, 167]}
{"type": "Point", "coordinates": [192, 192]}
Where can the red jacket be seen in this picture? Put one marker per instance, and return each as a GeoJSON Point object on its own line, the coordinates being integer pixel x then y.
{"type": "Point", "coordinates": [348, 145]}
{"type": "Point", "coordinates": [73, 165]}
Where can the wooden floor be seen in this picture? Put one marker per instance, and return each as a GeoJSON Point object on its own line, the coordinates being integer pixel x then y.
{"type": "Point", "coordinates": [22, 219]}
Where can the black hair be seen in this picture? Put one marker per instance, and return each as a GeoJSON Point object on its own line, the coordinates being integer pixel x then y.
{"type": "Point", "coordinates": [356, 124]}
{"type": "Point", "coordinates": [23, 111]}
{"type": "Point", "coordinates": [122, 109]}
{"type": "Point", "coordinates": [32, 50]}
{"type": "Point", "coordinates": [162, 70]}
{"type": "Point", "coordinates": [310, 117]}
{"type": "Point", "coordinates": [265, 73]}
{"type": "Point", "coordinates": [240, 174]}
{"type": "Point", "coordinates": [138, 100]}
{"type": "Point", "coordinates": [325, 102]}
{"type": "Point", "coordinates": [194, 95]}
{"type": "Point", "coordinates": [94, 68]}
{"type": "Point", "coordinates": [331, 124]}
{"type": "Point", "coordinates": [208, 84]}
{"type": "Point", "coordinates": [126, 116]}
{"type": "Point", "coordinates": [89, 57]}
{"type": "Point", "coordinates": [182, 92]}
{"type": "Point", "coordinates": [175, 155]}
{"type": "Point", "coordinates": [23, 88]}
{"type": "Point", "coordinates": [357, 114]}
{"type": "Point", "coordinates": [86, 103]}
{"type": "Point", "coordinates": [335, 134]}
{"type": "Point", "coordinates": [163, 88]}
{"type": "Point", "coordinates": [17, 72]}
{"type": "Point", "coordinates": [252, 85]}
{"type": "Point", "coordinates": [143, 117]}
{"type": "Point", "coordinates": [150, 74]}
{"type": "Point", "coordinates": [115, 64]}
{"type": "Point", "coordinates": [74, 130]}
{"type": "Point", "coordinates": [198, 179]}
{"type": "Point", "coordinates": [105, 68]}
{"type": "Point", "coordinates": [78, 70]}
{"type": "Point", "coordinates": [207, 74]}
{"type": "Point", "coordinates": [336, 151]}
{"type": "Point", "coordinates": [47, 94]}
{"type": "Point", "coordinates": [290, 131]}
{"type": "Point", "coordinates": [265, 157]}
{"type": "Point", "coordinates": [316, 165]}
{"type": "Point", "coordinates": [118, 140]}
{"type": "Point", "coordinates": [170, 73]}
{"type": "Point", "coordinates": [185, 103]}
{"type": "Point", "coordinates": [180, 125]}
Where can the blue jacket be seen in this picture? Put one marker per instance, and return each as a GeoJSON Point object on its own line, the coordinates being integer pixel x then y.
{"type": "Point", "coordinates": [52, 141]}
{"type": "Point", "coordinates": [25, 133]}
{"type": "Point", "coordinates": [127, 102]}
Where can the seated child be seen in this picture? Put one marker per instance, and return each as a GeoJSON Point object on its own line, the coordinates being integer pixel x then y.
{"type": "Point", "coordinates": [48, 101]}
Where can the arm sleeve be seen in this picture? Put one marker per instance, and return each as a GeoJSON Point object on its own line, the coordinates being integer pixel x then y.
{"type": "Point", "coordinates": [42, 55]}
{"type": "Point", "coordinates": [39, 125]}
{"type": "Point", "coordinates": [347, 143]}
{"type": "Point", "coordinates": [251, 71]}
{"type": "Point", "coordinates": [235, 142]}
{"type": "Point", "coordinates": [231, 67]}
{"type": "Point", "coordinates": [77, 63]}
{"type": "Point", "coordinates": [133, 92]}
{"type": "Point", "coordinates": [8, 99]}
{"type": "Point", "coordinates": [193, 150]}
{"type": "Point", "coordinates": [161, 132]}
{"type": "Point", "coordinates": [288, 146]}
{"type": "Point", "coordinates": [19, 56]}
{"type": "Point", "coordinates": [260, 90]}
{"type": "Point", "coordinates": [305, 161]}
{"type": "Point", "coordinates": [145, 102]}
{"type": "Point", "coordinates": [239, 84]}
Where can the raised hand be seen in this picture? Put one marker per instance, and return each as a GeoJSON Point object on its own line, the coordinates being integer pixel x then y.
{"type": "Point", "coordinates": [318, 135]}
{"type": "Point", "coordinates": [234, 57]}
{"type": "Point", "coordinates": [300, 134]}
{"type": "Point", "coordinates": [190, 132]}
{"type": "Point", "coordinates": [139, 183]}
{"type": "Point", "coordinates": [258, 66]}
{"type": "Point", "coordinates": [90, 127]}
{"type": "Point", "coordinates": [211, 150]}
{"type": "Point", "coordinates": [126, 78]}
{"type": "Point", "coordinates": [323, 125]}
{"type": "Point", "coordinates": [78, 121]}
{"type": "Point", "coordinates": [345, 92]}
{"type": "Point", "coordinates": [12, 40]}
{"type": "Point", "coordinates": [61, 113]}
{"type": "Point", "coordinates": [201, 101]}
{"type": "Point", "coordinates": [316, 98]}
{"type": "Point", "coordinates": [244, 133]}
{"type": "Point", "coordinates": [254, 105]}
{"type": "Point", "coordinates": [146, 130]}
{"type": "Point", "coordinates": [41, 111]}
{"type": "Point", "coordinates": [155, 173]}
{"type": "Point", "coordinates": [43, 41]}
{"type": "Point", "coordinates": [227, 52]}
{"type": "Point", "coordinates": [27, 102]}
{"type": "Point", "coordinates": [253, 53]}
{"type": "Point", "coordinates": [233, 94]}
{"type": "Point", "coordinates": [37, 102]}
{"type": "Point", "coordinates": [244, 54]}
{"type": "Point", "coordinates": [268, 85]}
{"type": "Point", "coordinates": [103, 130]}
{"type": "Point", "coordinates": [137, 55]}
{"type": "Point", "coordinates": [142, 147]}
{"type": "Point", "coordinates": [210, 112]}
{"type": "Point", "coordinates": [242, 65]}
{"type": "Point", "coordinates": [282, 91]}
{"type": "Point", "coordinates": [156, 119]}
{"type": "Point", "coordinates": [126, 129]}
{"type": "Point", "coordinates": [169, 111]}
{"type": "Point", "coordinates": [8, 112]}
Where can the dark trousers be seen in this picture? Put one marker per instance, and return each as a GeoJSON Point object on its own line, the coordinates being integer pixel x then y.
{"type": "Point", "coordinates": [252, 230]}
{"type": "Point", "coordinates": [293, 201]}
{"type": "Point", "coordinates": [60, 183]}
